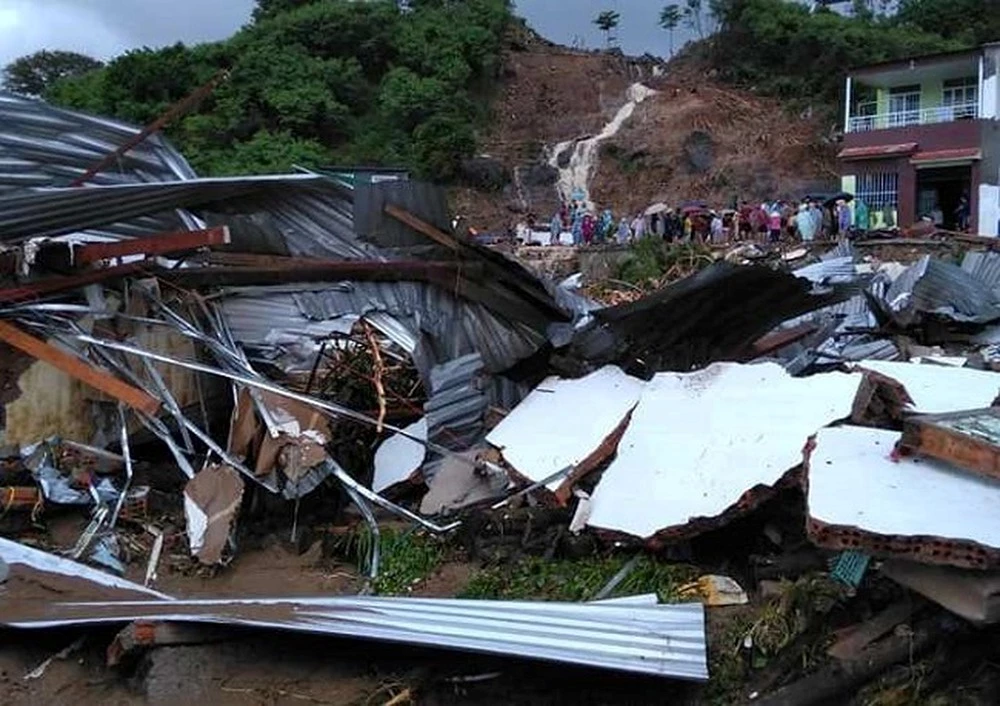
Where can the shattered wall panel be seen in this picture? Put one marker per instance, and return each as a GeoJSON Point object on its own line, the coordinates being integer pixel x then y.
{"type": "Point", "coordinates": [861, 497]}
{"type": "Point", "coordinates": [938, 389]}
{"type": "Point", "coordinates": [698, 442]}
{"type": "Point", "coordinates": [562, 422]}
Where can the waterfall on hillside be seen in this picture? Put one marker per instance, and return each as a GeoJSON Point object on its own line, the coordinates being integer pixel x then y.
{"type": "Point", "coordinates": [574, 178]}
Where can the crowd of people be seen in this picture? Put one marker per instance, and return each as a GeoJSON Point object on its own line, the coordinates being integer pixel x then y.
{"type": "Point", "coordinates": [770, 221]}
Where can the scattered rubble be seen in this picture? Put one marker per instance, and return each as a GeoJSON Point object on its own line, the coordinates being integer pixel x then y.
{"type": "Point", "coordinates": [808, 437]}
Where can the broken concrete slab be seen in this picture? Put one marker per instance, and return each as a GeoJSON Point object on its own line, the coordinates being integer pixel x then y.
{"type": "Point", "coordinates": [938, 389]}
{"type": "Point", "coordinates": [861, 496]}
{"type": "Point", "coordinates": [211, 503]}
{"type": "Point", "coordinates": [699, 442]}
{"type": "Point", "coordinates": [565, 423]}
{"type": "Point", "coordinates": [456, 484]}
{"type": "Point", "coordinates": [399, 457]}
{"type": "Point", "coordinates": [974, 595]}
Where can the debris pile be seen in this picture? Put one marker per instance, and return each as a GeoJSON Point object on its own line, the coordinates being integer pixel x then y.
{"type": "Point", "coordinates": [196, 362]}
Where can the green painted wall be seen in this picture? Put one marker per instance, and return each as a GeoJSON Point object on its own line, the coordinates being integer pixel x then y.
{"type": "Point", "coordinates": [882, 95]}
{"type": "Point", "coordinates": [931, 94]}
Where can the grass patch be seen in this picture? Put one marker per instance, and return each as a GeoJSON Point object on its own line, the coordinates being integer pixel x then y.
{"type": "Point", "coordinates": [576, 580]}
{"type": "Point", "coordinates": [407, 557]}
{"type": "Point", "coordinates": [652, 263]}
{"type": "Point", "coordinates": [770, 629]}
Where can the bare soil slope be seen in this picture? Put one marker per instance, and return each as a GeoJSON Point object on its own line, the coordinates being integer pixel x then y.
{"type": "Point", "coordinates": [697, 138]}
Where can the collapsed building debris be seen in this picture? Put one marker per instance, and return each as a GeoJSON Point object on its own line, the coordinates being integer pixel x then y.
{"type": "Point", "coordinates": [231, 350]}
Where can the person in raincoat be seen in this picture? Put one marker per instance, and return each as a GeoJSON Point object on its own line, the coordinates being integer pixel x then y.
{"type": "Point", "coordinates": [555, 228]}
{"type": "Point", "coordinates": [624, 232]}
{"type": "Point", "coordinates": [589, 226]}
{"type": "Point", "coordinates": [577, 229]}
{"type": "Point", "coordinates": [805, 224]}
{"type": "Point", "coordinates": [606, 226]}
{"type": "Point", "coordinates": [843, 217]}
{"type": "Point", "coordinates": [639, 227]}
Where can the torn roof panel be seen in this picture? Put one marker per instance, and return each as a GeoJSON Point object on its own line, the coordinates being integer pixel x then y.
{"type": "Point", "coordinates": [42, 145]}
{"type": "Point", "coordinates": [562, 422]}
{"type": "Point", "coordinates": [699, 441]}
{"type": "Point", "coordinates": [934, 286]}
{"type": "Point", "coordinates": [937, 389]}
{"type": "Point", "coordinates": [915, 507]}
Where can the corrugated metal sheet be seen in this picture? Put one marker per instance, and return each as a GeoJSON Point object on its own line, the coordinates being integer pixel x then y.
{"type": "Point", "coordinates": [662, 640]}
{"type": "Point", "coordinates": [937, 287]}
{"type": "Point", "coordinates": [265, 316]}
{"type": "Point", "coordinates": [457, 405]}
{"type": "Point", "coordinates": [829, 271]}
{"type": "Point", "coordinates": [983, 266]}
{"type": "Point", "coordinates": [426, 201]}
{"type": "Point", "coordinates": [41, 145]}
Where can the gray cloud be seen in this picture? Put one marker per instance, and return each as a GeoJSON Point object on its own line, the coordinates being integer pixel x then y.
{"type": "Point", "coordinates": [104, 28]}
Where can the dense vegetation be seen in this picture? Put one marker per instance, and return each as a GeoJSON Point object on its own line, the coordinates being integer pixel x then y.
{"type": "Point", "coordinates": [782, 48]}
{"type": "Point", "coordinates": [319, 81]}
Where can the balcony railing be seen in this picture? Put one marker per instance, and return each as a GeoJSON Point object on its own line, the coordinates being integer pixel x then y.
{"type": "Point", "coordinates": [905, 118]}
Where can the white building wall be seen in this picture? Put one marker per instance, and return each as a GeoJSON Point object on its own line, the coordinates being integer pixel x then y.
{"type": "Point", "coordinates": [989, 209]}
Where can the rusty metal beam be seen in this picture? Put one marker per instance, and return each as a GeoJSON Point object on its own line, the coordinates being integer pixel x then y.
{"type": "Point", "coordinates": [55, 285]}
{"type": "Point", "coordinates": [160, 244]}
{"type": "Point", "coordinates": [176, 110]}
{"type": "Point", "coordinates": [78, 369]}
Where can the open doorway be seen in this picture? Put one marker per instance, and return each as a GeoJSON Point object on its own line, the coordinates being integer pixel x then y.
{"type": "Point", "coordinates": [943, 188]}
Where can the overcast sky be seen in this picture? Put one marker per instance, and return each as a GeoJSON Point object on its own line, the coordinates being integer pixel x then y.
{"type": "Point", "coordinates": [104, 28]}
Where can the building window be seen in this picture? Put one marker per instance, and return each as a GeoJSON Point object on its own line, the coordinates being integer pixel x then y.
{"type": "Point", "coordinates": [961, 97]}
{"type": "Point", "coordinates": [904, 106]}
{"type": "Point", "coordinates": [879, 190]}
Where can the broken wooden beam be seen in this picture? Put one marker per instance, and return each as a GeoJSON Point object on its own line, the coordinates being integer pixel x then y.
{"type": "Point", "coordinates": [422, 226]}
{"type": "Point", "coordinates": [56, 285]}
{"type": "Point", "coordinates": [79, 369]}
{"type": "Point", "coordinates": [969, 439]}
{"type": "Point", "coordinates": [159, 244]}
{"type": "Point", "coordinates": [858, 637]}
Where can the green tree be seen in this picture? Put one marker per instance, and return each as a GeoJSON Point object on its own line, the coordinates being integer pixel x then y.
{"type": "Point", "coordinates": [970, 21]}
{"type": "Point", "coordinates": [670, 19]}
{"type": "Point", "coordinates": [606, 22]}
{"type": "Point", "coordinates": [312, 81]}
{"type": "Point", "coordinates": [692, 16]}
{"type": "Point", "coordinates": [31, 75]}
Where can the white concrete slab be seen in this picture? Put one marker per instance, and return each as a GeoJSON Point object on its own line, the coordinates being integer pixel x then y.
{"type": "Point", "coordinates": [853, 482]}
{"type": "Point", "coordinates": [698, 441]}
{"type": "Point", "coordinates": [562, 422]}
{"type": "Point", "coordinates": [937, 389]}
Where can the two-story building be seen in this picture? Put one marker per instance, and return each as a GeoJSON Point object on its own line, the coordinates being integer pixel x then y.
{"type": "Point", "coordinates": [920, 134]}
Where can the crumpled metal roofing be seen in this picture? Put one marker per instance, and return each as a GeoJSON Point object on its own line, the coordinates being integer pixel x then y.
{"type": "Point", "coordinates": [983, 265]}
{"type": "Point", "coordinates": [41, 145]}
{"type": "Point", "coordinates": [264, 316]}
{"type": "Point", "coordinates": [829, 271]}
{"type": "Point", "coordinates": [937, 287]}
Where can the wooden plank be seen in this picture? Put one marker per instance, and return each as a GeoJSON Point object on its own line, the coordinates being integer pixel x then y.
{"type": "Point", "coordinates": [861, 636]}
{"type": "Point", "coordinates": [159, 244]}
{"type": "Point", "coordinates": [421, 226]}
{"type": "Point", "coordinates": [950, 438]}
{"type": "Point", "coordinates": [79, 369]}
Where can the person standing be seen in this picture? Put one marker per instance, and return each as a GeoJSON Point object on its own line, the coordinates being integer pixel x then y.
{"type": "Point", "coordinates": [606, 227]}
{"type": "Point", "coordinates": [555, 228]}
{"type": "Point", "coordinates": [577, 230]}
{"type": "Point", "coordinates": [639, 227]}
{"type": "Point", "coordinates": [805, 224]}
{"type": "Point", "coordinates": [962, 213]}
{"type": "Point", "coordinates": [843, 218]}
{"type": "Point", "coordinates": [774, 226]}
{"type": "Point", "coordinates": [624, 232]}
{"type": "Point", "coordinates": [716, 228]}
{"type": "Point", "coordinates": [589, 225]}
